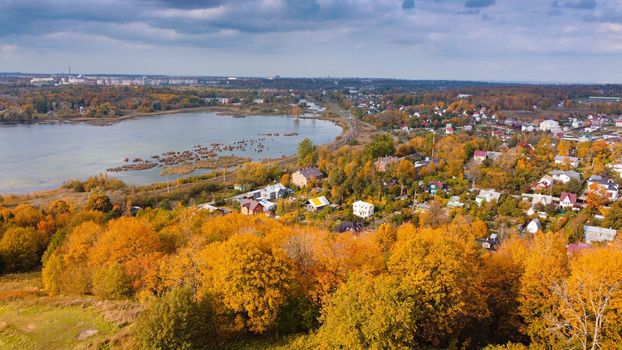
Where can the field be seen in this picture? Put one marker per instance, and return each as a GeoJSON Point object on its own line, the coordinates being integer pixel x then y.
{"type": "Point", "coordinates": [31, 320]}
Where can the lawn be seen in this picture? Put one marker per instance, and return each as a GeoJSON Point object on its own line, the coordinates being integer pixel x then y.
{"type": "Point", "coordinates": [29, 319]}
{"type": "Point", "coordinates": [24, 326]}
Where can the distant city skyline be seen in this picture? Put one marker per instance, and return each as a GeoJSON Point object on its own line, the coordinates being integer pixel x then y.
{"type": "Point", "coordinates": [481, 40]}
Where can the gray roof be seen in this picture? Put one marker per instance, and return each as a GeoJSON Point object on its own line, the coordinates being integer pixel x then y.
{"type": "Point", "coordinates": [570, 173]}
{"type": "Point", "coordinates": [311, 172]}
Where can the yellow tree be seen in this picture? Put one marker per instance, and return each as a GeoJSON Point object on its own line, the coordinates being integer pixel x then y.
{"type": "Point", "coordinates": [503, 270]}
{"type": "Point", "coordinates": [441, 269]}
{"type": "Point", "coordinates": [546, 265]}
{"type": "Point", "coordinates": [564, 147]}
{"type": "Point", "coordinates": [248, 279]}
{"type": "Point", "coordinates": [590, 312]}
{"type": "Point", "coordinates": [369, 313]}
{"type": "Point", "coordinates": [129, 242]}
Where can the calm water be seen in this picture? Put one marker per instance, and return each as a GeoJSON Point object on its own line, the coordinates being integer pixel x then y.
{"type": "Point", "coordinates": [42, 156]}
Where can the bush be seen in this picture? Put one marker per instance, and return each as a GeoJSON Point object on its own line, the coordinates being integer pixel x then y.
{"type": "Point", "coordinates": [177, 321]}
{"type": "Point", "coordinates": [99, 202]}
{"type": "Point", "coordinates": [112, 282]}
{"type": "Point", "coordinates": [21, 249]}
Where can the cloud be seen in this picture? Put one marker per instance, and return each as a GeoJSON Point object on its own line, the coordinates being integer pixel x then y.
{"type": "Point", "coordinates": [336, 37]}
{"type": "Point", "coordinates": [7, 51]}
{"type": "Point", "coordinates": [577, 5]}
{"type": "Point", "coordinates": [478, 3]}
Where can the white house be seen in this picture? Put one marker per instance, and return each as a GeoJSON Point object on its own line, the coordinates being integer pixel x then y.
{"type": "Point", "coordinates": [573, 161]}
{"type": "Point", "coordinates": [275, 191]}
{"type": "Point", "coordinates": [598, 234]}
{"type": "Point", "coordinates": [362, 209]}
{"type": "Point", "coordinates": [534, 226]}
{"type": "Point", "coordinates": [488, 195]}
{"type": "Point", "coordinates": [549, 125]}
{"type": "Point", "coordinates": [565, 176]}
{"type": "Point", "coordinates": [567, 200]}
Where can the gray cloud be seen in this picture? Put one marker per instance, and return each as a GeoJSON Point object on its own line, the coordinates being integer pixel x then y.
{"type": "Point", "coordinates": [307, 37]}
{"type": "Point", "coordinates": [479, 3]}
{"type": "Point", "coordinates": [577, 5]}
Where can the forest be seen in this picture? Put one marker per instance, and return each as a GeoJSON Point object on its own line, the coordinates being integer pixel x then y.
{"type": "Point", "coordinates": [219, 279]}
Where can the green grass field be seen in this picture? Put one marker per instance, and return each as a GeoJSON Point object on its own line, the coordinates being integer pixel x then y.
{"type": "Point", "coordinates": [29, 319]}
{"type": "Point", "coordinates": [44, 327]}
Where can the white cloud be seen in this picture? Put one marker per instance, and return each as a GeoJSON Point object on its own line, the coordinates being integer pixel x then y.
{"type": "Point", "coordinates": [7, 51]}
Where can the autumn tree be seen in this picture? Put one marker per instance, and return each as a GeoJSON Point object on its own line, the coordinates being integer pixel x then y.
{"type": "Point", "coordinates": [112, 282]}
{"type": "Point", "coordinates": [546, 266]}
{"type": "Point", "coordinates": [177, 320]}
{"type": "Point", "coordinates": [590, 308]}
{"type": "Point", "coordinates": [440, 270]}
{"type": "Point", "coordinates": [249, 280]}
{"type": "Point", "coordinates": [129, 242]}
{"type": "Point", "coordinates": [370, 313]}
{"type": "Point", "coordinates": [21, 248]}
{"type": "Point", "coordinates": [99, 202]}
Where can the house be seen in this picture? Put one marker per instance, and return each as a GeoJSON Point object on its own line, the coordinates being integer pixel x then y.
{"type": "Point", "coordinates": [435, 186]}
{"type": "Point", "coordinates": [213, 209]}
{"type": "Point", "coordinates": [540, 199]}
{"type": "Point", "coordinates": [534, 226]}
{"type": "Point", "coordinates": [598, 234]}
{"type": "Point", "coordinates": [275, 191]}
{"type": "Point", "coordinates": [318, 203]}
{"type": "Point", "coordinates": [491, 242]}
{"type": "Point", "coordinates": [562, 160]}
{"type": "Point", "coordinates": [382, 164]}
{"type": "Point", "coordinates": [605, 185]}
{"type": "Point", "coordinates": [567, 200]}
{"type": "Point", "coordinates": [565, 176]}
{"type": "Point", "coordinates": [549, 125]}
{"type": "Point", "coordinates": [454, 202]}
{"type": "Point", "coordinates": [545, 182]}
{"type": "Point", "coordinates": [488, 195]}
{"type": "Point", "coordinates": [362, 209]}
{"type": "Point", "coordinates": [449, 129]}
{"type": "Point", "coordinates": [251, 207]}
{"type": "Point", "coordinates": [479, 156]}
{"type": "Point", "coordinates": [302, 177]}
{"type": "Point", "coordinates": [525, 146]}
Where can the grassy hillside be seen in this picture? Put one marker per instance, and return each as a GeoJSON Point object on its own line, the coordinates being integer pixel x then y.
{"type": "Point", "coordinates": [29, 319]}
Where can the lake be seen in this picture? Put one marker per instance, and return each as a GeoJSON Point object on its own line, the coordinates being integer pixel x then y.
{"type": "Point", "coordinates": [37, 157]}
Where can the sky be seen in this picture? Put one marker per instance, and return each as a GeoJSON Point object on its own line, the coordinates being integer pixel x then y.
{"type": "Point", "coordinates": [489, 40]}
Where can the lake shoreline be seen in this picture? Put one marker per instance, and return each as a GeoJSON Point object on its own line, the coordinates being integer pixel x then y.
{"type": "Point", "coordinates": [229, 111]}
{"type": "Point", "coordinates": [335, 120]}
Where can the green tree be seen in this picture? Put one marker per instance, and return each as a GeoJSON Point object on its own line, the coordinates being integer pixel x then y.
{"type": "Point", "coordinates": [307, 153]}
{"type": "Point", "coordinates": [112, 282]}
{"type": "Point", "coordinates": [177, 321]}
{"type": "Point", "coordinates": [381, 145]}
